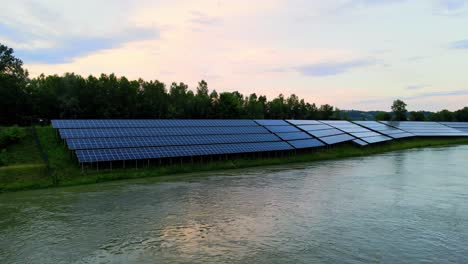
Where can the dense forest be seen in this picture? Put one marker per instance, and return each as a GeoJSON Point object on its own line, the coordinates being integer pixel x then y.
{"type": "Point", "coordinates": [107, 96]}
{"type": "Point", "coordinates": [25, 100]}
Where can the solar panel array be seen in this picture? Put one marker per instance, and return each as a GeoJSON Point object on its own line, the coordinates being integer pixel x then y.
{"type": "Point", "coordinates": [423, 129]}
{"type": "Point", "coordinates": [291, 134]}
{"type": "Point", "coordinates": [361, 133]}
{"type": "Point", "coordinates": [324, 132]}
{"type": "Point", "coordinates": [111, 140]}
{"type": "Point", "coordinates": [461, 126]}
{"type": "Point", "coordinates": [107, 140]}
{"type": "Point", "coordinates": [384, 129]}
{"type": "Point", "coordinates": [119, 123]}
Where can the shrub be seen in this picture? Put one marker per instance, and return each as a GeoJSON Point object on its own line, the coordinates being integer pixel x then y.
{"type": "Point", "coordinates": [11, 135]}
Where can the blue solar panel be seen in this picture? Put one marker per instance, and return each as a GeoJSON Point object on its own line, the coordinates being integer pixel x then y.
{"type": "Point", "coordinates": [293, 135]}
{"type": "Point", "coordinates": [441, 134]}
{"type": "Point", "coordinates": [424, 129]}
{"type": "Point", "coordinates": [314, 127]}
{"type": "Point", "coordinates": [360, 142]}
{"type": "Point", "coordinates": [335, 122]}
{"type": "Point", "coordinates": [304, 122]}
{"type": "Point", "coordinates": [353, 129]}
{"type": "Point", "coordinates": [177, 151]}
{"type": "Point", "coordinates": [462, 129]}
{"type": "Point", "coordinates": [122, 142]}
{"type": "Point", "coordinates": [365, 134]}
{"type": "Point", "coordinates": [337, 139]}
{"type": "Point", "coordinates": [324, 133]}
{"type": "Point", "coordinates": [382, 128]}
{"type": "Point", "coordinates": [160, 131]}
{"type": "Point", "coordinates": [455, 124]}
{"type": "Point", "coordinates": [306, 143]}
{"type": "Point", "coordinates": [401, 135]}
{"type": "Point", "coordinates": [119, 123]}
{"type": "Point", "coordinates": [280, 129]}
{"type": "Point", "coordinates": [376, 139]}
{"type": "Point", "coordinates": [271, 122]}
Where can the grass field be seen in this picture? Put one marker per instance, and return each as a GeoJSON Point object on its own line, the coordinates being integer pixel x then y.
{"type": "Point", "coordinates": [25, 168]}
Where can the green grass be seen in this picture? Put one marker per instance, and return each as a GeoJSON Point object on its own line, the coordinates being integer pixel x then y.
{"type": "Point", "coordinates": [24, 166]}
{"type": "Point", "coordinates": [26, 170]}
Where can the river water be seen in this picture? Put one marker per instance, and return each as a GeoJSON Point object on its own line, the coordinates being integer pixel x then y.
{"type": "Point", "coordinates": [400, 207]}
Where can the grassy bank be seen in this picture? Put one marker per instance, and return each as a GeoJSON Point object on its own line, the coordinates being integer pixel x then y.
{"type": "Point", "coordinates": [26, 169]}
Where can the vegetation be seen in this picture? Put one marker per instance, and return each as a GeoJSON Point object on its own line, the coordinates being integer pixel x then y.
{"type": "Point", "coordinates": [108, 96]}
{"type": "Point", "coordinates": [25, 169]}
{"type": "Point", "coordinates": [25, 100]}
{"type": "Point", "coordinates": [399, 110]}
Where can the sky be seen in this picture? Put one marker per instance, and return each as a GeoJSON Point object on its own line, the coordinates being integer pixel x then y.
{"type": "Point", "coordinates": [353, 54]}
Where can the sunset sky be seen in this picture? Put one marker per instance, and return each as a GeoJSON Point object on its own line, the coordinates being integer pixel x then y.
{"type": "Point", "coordinates": [353, 54]}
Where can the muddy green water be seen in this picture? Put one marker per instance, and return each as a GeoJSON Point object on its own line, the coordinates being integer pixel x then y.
{"type": "Point", "coordinates": [399, 207]}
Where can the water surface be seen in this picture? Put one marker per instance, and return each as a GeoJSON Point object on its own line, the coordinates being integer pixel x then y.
{"type": "Point", "coordinates": [409, 206]}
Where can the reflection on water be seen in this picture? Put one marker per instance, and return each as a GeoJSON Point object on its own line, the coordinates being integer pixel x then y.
{"type": "Point", "coordinates": [406, 206]}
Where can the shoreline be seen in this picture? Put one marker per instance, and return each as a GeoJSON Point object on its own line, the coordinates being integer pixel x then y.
{"type": "Point", "coordinates": [66, 172]}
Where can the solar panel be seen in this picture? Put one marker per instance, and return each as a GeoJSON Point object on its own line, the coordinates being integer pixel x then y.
{"type": "Point", "coordinates": [122, 142]}
{"type": "Point", "coordinates": [383, 129]}
{"type": "Point", "coordinates": [462, 129]}
{"type": "Point", "coordinates": [425, 128]}
{"type": "Point", "coordinates": [337, 139]}
{"type": "Point", "coordinates": [280, 129]}
{"type": "Point", "coordinates": [360, 142]}
{"type": "Point", "coordinates": [293, 135]}
{"type": "Point", "coordinates": [455, 124]}
{"type": "Point", "coordinates": [306, 143]}
{"type": "Point", "coordinates": [376, 139]}
{"type": "Point", "coordinates": [113, 123]}
{"type": "Point", "coordinates": [271, 122]}
{"type": "Point", "coordinates": [401, 135]}
{"type": "Point", "coordinates": [119, 123]}
{"type": "Point", "coordinates": [334, 122]}
{"type": "Point", "coordinates": [116, 139]}
{"type": "Point", "coordinates": [365, 134]}
{"type": "Point", "coordinates": [324, 133]}
{"type": "Point", "coordinates": [353, 129]}
{"type": "Point", "coordinates": [96, 155]}
{"type": "Point", "coordinates": [314, 127]}
{"type": "Point", "coordinates": [304, 122]}
{"type": "Point", "coordinates": [160, 131]}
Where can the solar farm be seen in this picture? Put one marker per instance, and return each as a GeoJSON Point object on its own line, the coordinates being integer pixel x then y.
{"type": "Point", "coordinates": [105, 141]}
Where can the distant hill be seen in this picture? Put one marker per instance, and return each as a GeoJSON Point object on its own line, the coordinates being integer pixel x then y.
{"type": "Point", "coordinates": [360, 115]}
{"type": "Point", "coordinates": [367, 115]}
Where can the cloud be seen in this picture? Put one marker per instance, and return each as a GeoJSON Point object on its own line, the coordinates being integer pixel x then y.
{"type": "Point", "coordinates": [415, 87]}
{"type": "Point", "coordinates": [46, 32]}
{"type": "Point", "coordinates": [437, 94]}
{"type": "Point", "coordinates": [68, 48]}
{"type": "Point", "coordinates": [461, 44]}
{"type": "Point", "coordinates": [450, 7]}
{"type": "Point", "coordinates": [332, 68]}
{"type": "Point", "coordinates": [203, 19]}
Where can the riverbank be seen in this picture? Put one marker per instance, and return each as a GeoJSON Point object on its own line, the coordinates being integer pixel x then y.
{"type": "Point", "coordinates": [27, 170]}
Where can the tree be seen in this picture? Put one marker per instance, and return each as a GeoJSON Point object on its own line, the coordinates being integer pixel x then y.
{"type": "Point", "coordinates": [383, 116]}
{"type": "Point", "coordinates": [462, 114]}
{"type": "Point", "coordinates": [202, 101]}
{"type": "Point", "coordinates": [326, 112]}
{"type": "Point", "coordinates": [15, 99]}
{"type": "Point", "coordinates": [417, 116]}
{"type": "Point", "coordinates": [399, 110]}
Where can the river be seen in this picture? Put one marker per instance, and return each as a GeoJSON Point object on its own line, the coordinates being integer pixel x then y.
{"type": "Point", "coordinates": [399, 207]}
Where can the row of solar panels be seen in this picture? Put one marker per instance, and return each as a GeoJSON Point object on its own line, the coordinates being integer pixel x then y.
{"type": "Point", "coordinates": [96, 140]}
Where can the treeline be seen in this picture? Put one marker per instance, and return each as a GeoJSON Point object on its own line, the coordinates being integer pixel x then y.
{"type": "Point", "coordinates": [24, 100]}
{"type": "Point", "coordinates": [106, 96]}
{"type": "Point", "coordinates": [440, 116]}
